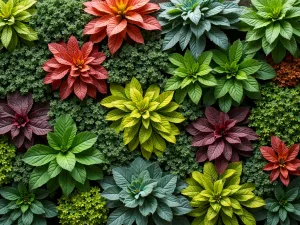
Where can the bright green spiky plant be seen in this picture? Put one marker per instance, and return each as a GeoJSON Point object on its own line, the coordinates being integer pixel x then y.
{"type": "Point", "coordinates": [191, 22]}
{"type": "Point", "coordinates": [14, 18]}
{"type": "Point", "coordinates": [147, 119]}
{"type": "Point", "coordinates": [273, 25]}
{"type": "Point", "coordinates": [221, 199]}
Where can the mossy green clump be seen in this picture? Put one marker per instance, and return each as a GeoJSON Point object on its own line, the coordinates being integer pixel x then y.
{"type": "Point", "coordinates": [7, 154]}
{"type": "Point", "coordinates": [57, 20]}
{"type": "Point", "coordinates": [83, 208]}
{"type": "Point", "coordinates": [20, 170]}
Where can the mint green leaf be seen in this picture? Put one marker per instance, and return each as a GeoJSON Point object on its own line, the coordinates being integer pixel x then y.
{"type": "Point", "coordinates": [69, 136]}
{"type": "Point", "coordinates": [149, 206]}
{"type": "Point", "coordinates": [117, 217]}
{"type": "Point", "coordinates": [66, 161]}
{"type": "Point", "coordinates": [39, 155]}
{"type": "Point", "coordinates": [83, 141]}
{"type": "Point", "coordinates": [90, 157]}
{"type": "Point", "coordinates": [39, 177]}
{"type": "Point", "coordinates": [54, 169]}
{"type": "Point", "coordinates": [79, 173]}
{"type": "Point", "coordinates": [205, 58]}
{"type": "Point", "coordinates": [220, 58]}
{"type": "Point", "coordinates": [177, 60]}
{"type": "Point", "coordinates": [54, 141]}
{"type": "Point", "coordinates": [6, 36]}
{"type": "Point", "coordinates": [286, 30]}
{"type": "Point", "coordinates": [164, 212]}
{"type": "Point", "coordinates": [222, 87]}
{"type": "Point", "coordinates": [62, 124]}
{"type": "Point", "coordinates": [250, 84]}
{"type": "Point", "coordinates": [208, 80]}
{"type": "Point", "coordinates": [195, 92]}
{"type": "Point", "coordinates": [173, 83]}
{"type": "Point", "coordinates": [272, 32]}
{"type": "Point", "coordinates": [250, 66]}
{"type": "Point", "coordinates": [236, 51]}
{"type": "Point", "coordinates": [236, 91]}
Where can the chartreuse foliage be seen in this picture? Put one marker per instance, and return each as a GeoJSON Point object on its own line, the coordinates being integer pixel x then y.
{"type": "Point", "coordinates": [25, 207]}
{"type": "Point", "coordinates": [70, 160]}
{"type": "Point", "coordinates": [14, 16]}
{"type": "Point", "coordinates": [147, 119]}
{"type": "Point", "coordinates": [83, 208]}
{"type": "Point", "coordinates": [142, 193]}
{"type": "Point", "coordinates": [7, 156]}
{"type": "Point", "coordinates": [190, 22]}
{"type": "Point", "coordinates": [190, 76]}
{"type": "Point", "coordinates": [236, 75]}
{"type": "Point", "coordinates": [273, 25]}
{"type": "Point", "coordinates": [221, 199]}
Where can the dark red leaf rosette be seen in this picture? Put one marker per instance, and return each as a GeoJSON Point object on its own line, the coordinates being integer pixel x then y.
{"type": "Point", "coordinates": [222, 137]}
{"type": "Point", "coordinates": [23, 119]}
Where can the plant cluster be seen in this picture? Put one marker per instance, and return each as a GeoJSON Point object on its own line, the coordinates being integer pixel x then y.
{"type": "Point", "coordinates": [191, 22]}
{"type": "Point", "coordinates": [20, 172]}
{"type": "Point", "coordinates": [7, 156]}
{"type": "Point", "coordinates": [83, 208]}
{"type": "Point", "coordinates": [142, 193]}
{"type": "Point", "coordinates": [273, 25]}
{"type": "Point", "coordinates": [221, 137]}
{"type": "Point", "coordinates": [69, 161]}
{"type": "Point", "coordinates": [147, 119]}
{"type": "Point", "coordinates": [221, 199]}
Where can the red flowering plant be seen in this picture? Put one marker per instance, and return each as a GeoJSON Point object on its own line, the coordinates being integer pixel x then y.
{"type": "Point", "coordinates": [23, 119]}
{"type": "Point", "coordinates": [222, 137]}
{"type": "Point", "coordinates": [74, 69]}
{"type": "Point", "coordinates": [119, 20]}
{"type": "Point", "coordinates": [282, 160]}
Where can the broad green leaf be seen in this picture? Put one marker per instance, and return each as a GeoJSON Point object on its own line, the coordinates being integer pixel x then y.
{"type": "Point", "coordinates": [251, 84]}
{"type": "Point", "coordinates": [210, 171]}
{"type": "Point", "coordinates": [286, 30]}
{"type": "Point", "coordinates": [197, 45]}
{"type": "Point", "coordinates": [117, 216]}
{"type": "Point", "coordinates": [208, 80]}
{"type": "Point", "coordinates": [94, 173]}
{"type": "Point", "coordinates": [39, 177]}
{"type": "Point", "coordinates": [83, 141]}
{"type": "Point", "coordinates": [220, 58]}
{"type": "Point", "coordinates": [62, 124]}
{"type": "Point", "coordinates": [180, 94]}
{"type": "Point", "coordinates": [117, 90]}
{"type": "Point", "coordinates": [272, 32]}
{"type": "Point", "coordinates": [6, 36]}
{"type": "Point", "coordinates": [225, 103]}
{"type": "Point", "coordinates": [236, 91]}
{"type": "Point", "coordinates": [54, 141]}
{"type": "Point", "coordinates": [115, 114]}
{"type": "Point", "coordinates": [134, 83]}
{"type": "Point", "coordinates": [173, 83]}
{"type": "Point", "coordinates": [135, 95]}
{"type": "Point", "coordinates": [218, 37]}
{"type": "Point", "coordinates": [50, 209]}
{"type": "Point", "coordinates": [68, 137]}
{"type": "Point", "coordinates": [168, 183]}
{"type": "Point", "coordinates": [204, 70]}
{"type": "Point", "coordinates": [185, 37]}
{"type": "Point", "coordinates": [37, 207]}
{"type": "Point", "coordinates": [266, 72]}
{"type": "Point", "coordinates": [66, 182]}
{"type": "Point", "coordinates": [222, 87]}
{"type": "Point", "coordinates": [79, 173]}
{"type": "Point", "coordinates": [177, 60]}
{"type": "Point", "coordinates": [90, 157]}
{"type": "Point", "coordinates": [236, 51]}
{"type": "Point", "coordinates": [195, 92]}
{"type": "Point", "coordinates": [172, 38]}
{"type": "Point", "coordinates": [250, 18]}
{"type": "Point", "coordinates": [66, 160]}
{"type": "Point", "coordinates": [290, 45]}
{"type": "Point", "coordinates": [149, 206]}
{"type": "Point", "coordinates": [9, 193]}
{"type": "Point", "coordinates": [164, 99]}
{"type": "Point", "coordinates": [39, 155]}
{"type": "Point", "coordinates": [111, 193]}
{"type": "Point", "coordinates": [164, 212]}
{"type": "Point", "coordinates": [27, 217]}
{"type": "Point", "coordinates": [145, 134]}
{"type": "Point", "coordinates": [250, 66]}
{"type": "Point", "coordinates": [205, 58]}
{"type": "Point", "coordinates": [54, 169]}
{"type": "Point", "coordinates": [278, 53]}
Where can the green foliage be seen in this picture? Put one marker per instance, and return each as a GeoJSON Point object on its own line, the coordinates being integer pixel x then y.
{"type": "Point", "coordinates": [190, 76]}
{"type": "Point", "coordinates": [7, 155]}
{"type": "Point", "coordinates": [191, 22]}
{"type": "Point", "coordinates": [221, 199]}
{"type": "Point", "coordinates": [146, 63]}
{"type": "Point", "coordinates": [179, 158]}
{"type": "Point", "coordinates": [190, 111]}
{"type": "Point", "coordinates": [147, 119]}
{"type": "Point", "coordinates": [70, 159]}
{"type": "Point", "coordinates": [141, 192]}
{"type": "Point", "coordinates": [22, 71]}
{"type": "Point", "coordinates": [57, 20]}
{"type": "Point", "coordinates": [83, 208]}
{"type": "Point", "coordinates": [14, 18]}
{"type": "Point", "coordinates": [273, 25]}
{"type": "Point", "coordinates": [236, 73]}
{"type": "Point", "coordinates": [25, 207]}
{"type": "Point", "coordinates": [20, 170]}
{"type": "Point", "coordinates": [89, 115]}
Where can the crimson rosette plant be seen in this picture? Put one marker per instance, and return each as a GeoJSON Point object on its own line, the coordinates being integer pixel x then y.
{"type": "Point", "coordinates": [119, 20]}
{"type": "Point", "coordinates": [25, 207]}
{"type": "Point", "coordinates": [23, 119]}
{"type": "Point", "coordinates": [69, 161]}
{"type": "Point", "coordinates": [236, 74]}
{"type": "Point", "coordinates": [222, 137]}
{"type": "Point", "coordinates": [282, 160]}
{"type": "Point", "coordinates": [143, 194]}
{"type": "Point", "coordinates": [76, 70]}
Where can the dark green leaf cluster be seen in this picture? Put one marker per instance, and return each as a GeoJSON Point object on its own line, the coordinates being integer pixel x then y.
{"type": "Point", "coordinates": [7, 155]}
{"type": "Point", "coordinates": [190, 111]}
{"type": "Point", "coordinates": [22, 71]}
{"type": "Point", "coordinates": [142, 192]}
{"type": "Point", "coordinates": [83, 208]}
{"type": "Point", "coordinates": [25, 207]}
{"type": "Point", "coordinates": [179, 158]}
{"type": "Point", "coordinates": [90, 116]}
{"type": "Point", "coordinates": [146, 63]}
{"type": "Point", "coordinates": [20, 170]}
{"type": "Point", "coordinates": [57, 20]}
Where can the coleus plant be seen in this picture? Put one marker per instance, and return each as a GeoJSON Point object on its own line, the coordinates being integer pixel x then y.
{"type": "Point", "coordinates": [146, 118]}
{"type": "Point", "coordinates": [190, 77]}
{"type": "Point", "coordinates": [14, 18]}
{"type": "Point", "coordinates": [191, 22]}
{"type": "Point", "coordinates": [221, 199]}
{"type": "Point", "coordinates": [120, 20]}
{"type": "Point", "coordinates": [237, 75]}
{"type": "Point", "coordinates": [273, 25]}
{"type": "Point", "coordinates": [282, 160]}
{"type": "Point", "coordinates": [23, 119]}
{"type": "Point", "coordinates": [69, 161]}
{"type": "Point", "coordinates": [25, 207]}
{"type": "Point", "coordinates": [143, 194]}
{"type": "Point", "coordinates": [222, 137]}
{"type": "Point", "coordinates": [76, 70]}
{"type": "Point", "coordinates": [283, 208]}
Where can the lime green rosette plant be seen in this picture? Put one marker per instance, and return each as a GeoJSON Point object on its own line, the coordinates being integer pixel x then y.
{"type": "Point", "coordinates": [69, 161]}
{"type": "Point", "coordinates": [190, 76]}
{"type": "Point", "coordinates": [273, 25]}
{"type": "Point", "coordinates": [221, 199]}
{"type": "Point", "coordinates": [236, 74]}
{"type": "Point", "coordinates": [14, 18]}
{"type": "Point", "coordinates": [147, 119]}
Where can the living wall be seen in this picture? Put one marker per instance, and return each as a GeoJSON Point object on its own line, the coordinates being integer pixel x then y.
{"type": "Point", "coordinates": [125, 112]}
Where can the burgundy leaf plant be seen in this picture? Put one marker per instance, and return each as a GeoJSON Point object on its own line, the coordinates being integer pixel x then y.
{"type": "Point", "coordinates": [222, 137]}
{"type": "Point", "coordinates": [75, 69]}
{"type": "Point", "coordinates": [23, 119]}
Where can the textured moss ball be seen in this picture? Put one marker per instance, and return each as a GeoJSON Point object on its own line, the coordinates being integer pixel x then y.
{"type": "Point", "coordinates": [83, 208]}
{"type": "Point", "coordinates": [7, 154]}
{"type": "Point", "coordinates": [20, 170]}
